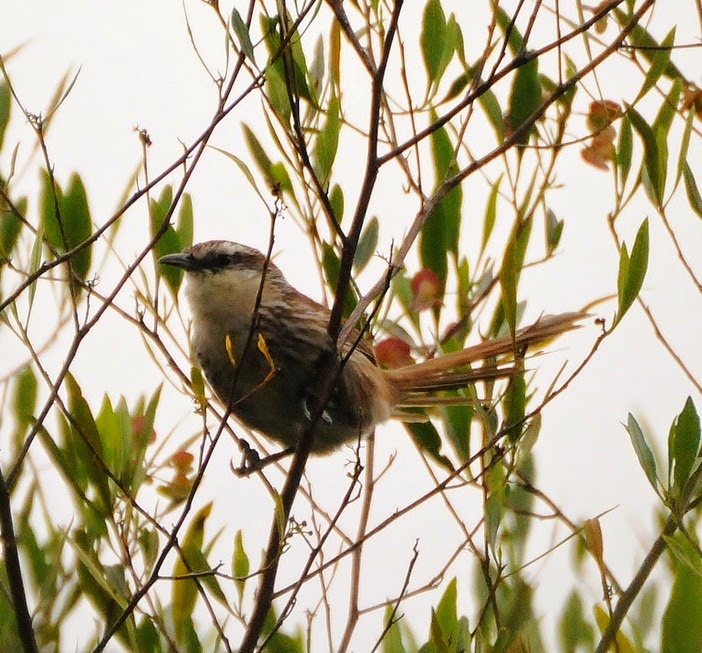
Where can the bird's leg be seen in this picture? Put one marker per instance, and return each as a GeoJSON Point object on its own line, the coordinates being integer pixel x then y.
{"type": "Point", "coordinates": [251, 460]}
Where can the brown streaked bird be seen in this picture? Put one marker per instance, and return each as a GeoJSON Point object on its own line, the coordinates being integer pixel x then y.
{"type": "Point", "coordinates": [271, 388]}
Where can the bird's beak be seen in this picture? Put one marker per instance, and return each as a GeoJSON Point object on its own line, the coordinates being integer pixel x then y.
{"type": "Point", "coordinates": [182, 260]}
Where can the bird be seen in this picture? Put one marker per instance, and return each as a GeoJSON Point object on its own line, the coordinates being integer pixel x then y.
{"type": "Point", "coordinates": [264, 348]}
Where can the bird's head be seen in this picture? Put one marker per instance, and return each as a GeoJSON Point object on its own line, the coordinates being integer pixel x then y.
{"type": "Point", "coordinates": [221, 270]}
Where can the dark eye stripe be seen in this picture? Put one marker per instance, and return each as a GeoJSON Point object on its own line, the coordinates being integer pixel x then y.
{"type": "Point", "coordinates": [217, 261]}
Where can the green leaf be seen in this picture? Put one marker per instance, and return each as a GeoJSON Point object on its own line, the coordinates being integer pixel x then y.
{"type": "Point", "coordinates": [685, 552]}
{"type": "Point", "coordinates": [446, 610]}
{"type": "Point", "coordinates": [428, 439]}
{"type": "Point", "coordinates": [683, 446]}
{"type": "Point", "coordinates": [554, 231]}
{"type": "Point", "coordinates": [654, 183]}
{"type": "Point", "coordinates": [25, 398]}
{"type": "Point", "coordinates": [242, 34]}
{"type": "Point", "coordinates": [10, 228]}
{"type": "Point", "coordinates": [693, 193]}
{"type": "Point", "coordinates": [240, 564]}
{"type": "Point", "coordinates": [191, 559]}
{"type": "Point", "coordinates": [5, 109]}
{"type": "Point", "coordinates": [336, 199]}
{"type": "Point", "coordinates": [457, 87]}
{"type": "Point", "coordinates": [509, 280]}
{"type": "Point", "coordinates": [574, 629]}
{"type": "Point", "coordinates": [515, 40]}
{"type": "Point", "coordinates": [660, 59]}
{"type": "Point", "coordinates": [632, 271]}
{"type": "Point", "coordinates": [185, 221]}
{"type": "Point", "coordinates": [525, 97]}
{"type": "Point", "coordinates": [331, 266]}
{"type": "Point", "coordinates": [433, 39]}
{"type": "Point", "coordinates": [367, 245]}
{"type": "Point", "coordinates": [681, 630]}
{"type": "Point", "coordinates": [77, 224]}
{"type": "Point", "coordinates": [327, 142]}
{"type": "Point", "coordinates": [491, 106]}
{"type": "Point", "coordinates": [50, 203]}
{"type": "Point", "coordinates": [667, 113]}
{"type": "Point", "coordinates": [86, 442]}
{"type": "Point", "coordinates": [392, 641]}
{"type": "Point", "coordinates": [457, 420]}
{"type": "Point", "coordinates": [514, 406]}
{"type": "Point", "coordinates": [643, 451]}
{"type": "Point", "coordinates": [644, 44]}
{"type": "Point", "coordinates": [439, 235]}
{"type": "Point", "coordinates": [684, 146]}
{"type": "Point", "coordinates": [169, 241]}
{"type": "Point", "coordinates": [625, 149]}
{"type": "Point", "coordinates": [263, 162]}
{"type": "Point", "coordinates": [490, 213]}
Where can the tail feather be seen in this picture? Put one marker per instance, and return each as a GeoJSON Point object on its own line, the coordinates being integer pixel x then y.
{"type": "Point", "coordinates": [449, 370]}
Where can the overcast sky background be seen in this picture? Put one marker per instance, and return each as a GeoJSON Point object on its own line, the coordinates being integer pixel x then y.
{"type": "Point", "coordinates": [139, 69]}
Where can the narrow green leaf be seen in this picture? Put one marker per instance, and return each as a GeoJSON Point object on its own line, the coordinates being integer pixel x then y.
{"type": "Point", "coordinates": [574, 630]}
{"type": "Point", "coordinates": [184, 594]}
{"type": "Point", "coordinates": [367, 244]}
{"type": "Point", "coordinates": [491, 106]}
{"type": "Point", "coordinates": [659, 64]}
{"type": "Point", "coordinates": [317, 66]}
{"type": "Point", "coordinates": [693, 193]}
{"type": "Point", "coordinates": [447, 611]}
{"type": "Point", "coordinates": [554, 231]}
{"type": "Point", "coordinates": [646, 46]}
{"type": "Point", "coordinates": [327, 142]}
{"type": "Point", "coordinates": [681, 630]}
{"type": "Point", "coordinates": [457, 87]}
{"type": "Point", "coordinates": [685, 552]}
{"type": "Point", "coordinates": [509, 280]}
{"type": "Point", "coordinates": [650, 173]}
{"type": "Point", "coordinates": [23, 404]}
{"type": "Point", "coordinates": [392, 641]}
{"type": "Point", "coordinates": [331, 266]}
{"type": "Point", "coordinates": [77, 224]}
{"type": "Point", "coordinates": [242, 34]}
{"type": "Point", "coordinates": [5, 109]}
{"type": "Point", "coordinates": [525, 97]}
{"type": "Point", "coordinates": [668, 111]}
{"type": "Point", "coordinates": [515, 40]}
{"type": "Point", "coordinates": [632, 271]}
{"type": "Point", "coordinates": [169, 241]}
{"type": "Point", "coordinates": [490, 213]}
{"type": "Point", "coordinates": [439, 235]}
{"type": "Point", "coordinates": [643, 451]}
{"type": "Point", "coordinates": [10, 228]}
{"type": "Point", "coordinates": [240, 564]}
{"type": "Point", "coordinates": [263, 162]}
{"type": "Point", "coordinates": [185, 221]}
{"type": "Point", "coordinates": [514, 406]}
{"type": "Point", "coordinates": [683, 445]}
{"type": "Point", "coordinates": [625, 149]}
{"type": "Point", "coordinates": [87, 444]}
{"type": "Point", "coordinates": [336, 199]}
{"type": "Point", "coordinates": [50, 202]}
{"type": "Point", "coordinates": [432, 38]}
{"type": "Point", "coordinates": [428, 439]}
{"type": "Point", "coordinates": [245, 170]}
{"type": "Point", "coordinates": [457, 420]}
{"type": "Point", "coordinates": [684, 147]}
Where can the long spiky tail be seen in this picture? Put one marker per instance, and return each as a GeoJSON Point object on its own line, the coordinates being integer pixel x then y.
{"type": "Point", "coordinates": [452, 371]}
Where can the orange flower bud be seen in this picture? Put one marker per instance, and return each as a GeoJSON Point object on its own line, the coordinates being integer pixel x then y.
{"type": "Point", "coordinates": [392, 353]}
{"type": "Point", "coordinates": [426, 287]}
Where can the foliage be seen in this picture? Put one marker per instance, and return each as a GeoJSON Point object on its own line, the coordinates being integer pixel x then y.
{"type": "Point", "coordinates": [367, 112]}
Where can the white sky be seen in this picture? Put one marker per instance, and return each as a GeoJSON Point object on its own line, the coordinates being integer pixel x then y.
{"type": "Point", "coordinates": [138, 68]}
